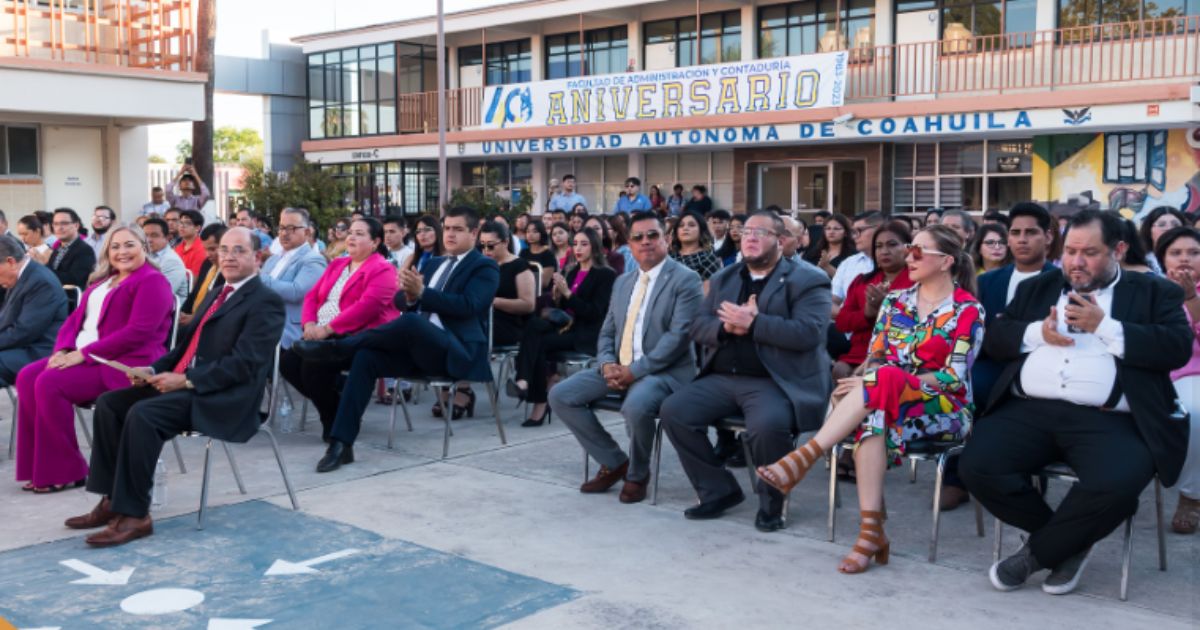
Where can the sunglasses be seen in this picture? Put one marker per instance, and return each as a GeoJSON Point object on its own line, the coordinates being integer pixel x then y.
{"type": "Point", "coordinates": [490, 246]}
{"type": "Point", "coordinates": [652, 235]}
{"type": "Point", "coordinates": [917, 252]}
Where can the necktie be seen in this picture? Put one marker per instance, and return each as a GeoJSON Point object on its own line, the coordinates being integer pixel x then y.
{"type": "Point", "coordinates": [59, 254]}
{"type": "Point", "coordinates": [625, 356]}
{"type": "Point", "coordinates": [195, 340]}
{"type": "Point", "coordinates": [441, 281]}
{"type": "Point", "coordinates": [205, 285]}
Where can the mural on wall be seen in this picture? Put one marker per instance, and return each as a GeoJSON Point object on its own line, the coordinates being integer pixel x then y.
{"type": "Point", "coordinates": [1134, 172]}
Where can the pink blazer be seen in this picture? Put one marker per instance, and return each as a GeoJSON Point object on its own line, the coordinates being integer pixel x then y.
{"type": "Point", "coordinates": [366, 300]}
{"type": "Point", "coordinates": [135, 320]}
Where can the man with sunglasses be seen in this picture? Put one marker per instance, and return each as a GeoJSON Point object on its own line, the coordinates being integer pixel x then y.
{"type": "Point", "coordinates": [632, 200]}
{"type": "Point", "coordinates": [644, 354]}
{"type": "Point", "coordinates": [762, 330]}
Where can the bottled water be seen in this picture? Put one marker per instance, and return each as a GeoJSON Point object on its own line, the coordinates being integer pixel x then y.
{"type": "Point", "coordinates": [158, 493]}
{"type": "Point", "coordinates": [287, 423]}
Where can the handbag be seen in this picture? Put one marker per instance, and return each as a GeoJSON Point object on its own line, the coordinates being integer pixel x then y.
{"type": "Point", "coordinates": [558, 318]}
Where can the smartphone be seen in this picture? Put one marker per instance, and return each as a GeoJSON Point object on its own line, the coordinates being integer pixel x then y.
{"type": "Point", "coordinates": [187, 161]}
{"type": "Point", "coordinates": [1087, 296]}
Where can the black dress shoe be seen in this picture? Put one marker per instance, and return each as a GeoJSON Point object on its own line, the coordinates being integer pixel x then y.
{"type": "Point", "coordinates": [737, 459]}
{"type": "Point", "coordinates": [714, 508]}
{"type": "Point", "coordinates": [336, 455]}
{"type": "Point", "coordinates": [766, 522]}
{"type": "Point", "coordinates": [324, 351]}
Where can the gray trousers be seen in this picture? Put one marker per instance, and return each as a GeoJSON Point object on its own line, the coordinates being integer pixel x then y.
{"type": "Point", "coordinates": [570, 399]}
{"type": "Point", "coordinates": [688, 413]}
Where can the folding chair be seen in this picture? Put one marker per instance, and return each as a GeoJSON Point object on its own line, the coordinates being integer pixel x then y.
{"type": "Point", "coordinates": [12, 438]}
{"type": "Point", "coordinates": [613, 402]}
{"type": "Point", "coordinates": [1063, 472]}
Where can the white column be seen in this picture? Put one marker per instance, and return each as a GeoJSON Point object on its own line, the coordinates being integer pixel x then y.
{"type": "Point", "coordinates": [127, 170]}
{"type": "Point", "coordinates": [540, 184]}
{"type": "Point", "coordinates": [451, 67]}
{"type": "Point", "coordinates": [750, 32]}
{"type": "Point", "coordinates": [635, 44]}
{"type": "Point", "coordinates": [537, 58]}
{"type": "Point", "coordinates": [884, 10]}
{"type": "Point", "coordinates": [1046, 10]}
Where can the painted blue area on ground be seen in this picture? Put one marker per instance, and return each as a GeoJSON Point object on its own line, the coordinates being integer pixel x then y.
{"type": "Point", "coordinates": [387, 584]}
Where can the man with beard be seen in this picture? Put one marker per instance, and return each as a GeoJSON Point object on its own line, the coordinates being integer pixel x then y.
{"type": "Point", "coordinates": [762, 331]}
{"type": "Point", "coordinates": [102, 219]}
{"type": "Point", "coordinates": [1090, 350]}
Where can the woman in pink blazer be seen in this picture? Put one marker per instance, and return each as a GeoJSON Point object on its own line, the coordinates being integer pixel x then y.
{"type": "Point", "coordinates": [354, 294]}
{"type": "Point", "coordinates": [125, 315]}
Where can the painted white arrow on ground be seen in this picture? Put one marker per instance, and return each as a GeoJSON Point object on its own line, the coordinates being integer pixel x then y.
{"type": "Point", "coordinates": [236, 624]}
{"type": "Point", "coordinates": [283, 567]}
{"type": "Point", "coordinates": [96, 575]}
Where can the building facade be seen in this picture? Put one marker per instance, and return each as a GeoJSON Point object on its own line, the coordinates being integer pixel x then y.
{"type": "Point", "coordinates": [841, 105]}
{"type": "Point", "coordinates": [79, 83]}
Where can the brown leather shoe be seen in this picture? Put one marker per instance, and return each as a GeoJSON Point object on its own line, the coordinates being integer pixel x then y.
{"type": "Point", "coordinates": [604, 479]}
{"type": "Point", "coordinates": [121, 530]}
{"type": "Point", "coordinates": [98, 517]}
{"type": "Point", "coordinates": [634, 491]}
{"type": "Point", "coordinates": [952, 497]}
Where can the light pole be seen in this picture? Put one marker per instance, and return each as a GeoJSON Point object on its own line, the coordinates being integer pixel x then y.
{"type": "Point", "coordinates": [441, 107]}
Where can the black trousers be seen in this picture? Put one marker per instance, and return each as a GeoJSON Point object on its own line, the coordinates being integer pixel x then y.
{"type": "Point", "coordinates": [770, 423]}
{"type": "Point", "coordinates": [1022, 436]}
{"type": "Point", "coordinates": [406, 346]}
{"type": "Point", "coordinates": [540, 340]}
{"type": "Point", "coordinates": [316, 381]}
{"type": "Point", "coordinates": [129, 428]}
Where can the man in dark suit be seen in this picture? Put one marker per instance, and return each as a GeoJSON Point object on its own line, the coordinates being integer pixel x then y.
{"type": "Point", "coordinates": [34, 308]}
{"type": "Point", "coordinates": [1029, 239]}
{"type": "Point", "coordinates": [762, 329]}
{"type": "Point", "coordinates": [1090, 350]}
{"type": "Point", "coordinates": [212, 382]}
{"type": "Point", "coordinates": [73, 259]}
{"type": "Point", "coordinates": [443, 331]}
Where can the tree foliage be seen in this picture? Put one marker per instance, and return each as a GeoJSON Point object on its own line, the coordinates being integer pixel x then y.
{"type": "Point", "coordinates": [306, 185]}
{"type": "Point", "coordinates": [230, 146]}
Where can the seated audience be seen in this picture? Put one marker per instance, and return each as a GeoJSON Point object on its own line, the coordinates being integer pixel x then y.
{"type": "Point", "coordinates": [692, 247]}
{"type": "Point", "coordinates": [579, 214]}
{"type": "Point", "coordinates": [731, 246]}
{"type": "Point", "coordinates": [73, 259]}
{"type": "Point", "coordinates": [1179, 253]}
{"type": "Point", "coordinates": [1113, 417]}
{"type": "Point", "coordinates": [34, 308]}
{"type": "Point", "coordinates": [644, 354]}
{"type": "Point", "coordinates": [862, 230]}
{"type": "Point", "coordinates": [538, 250]}
{"type": "Point", "coordinates": [835, 245]}
{"type": "Point", "coordinates": [191, 242]}
{"type": "Point", "coordinates": [213, 382]}
{"type": "Point", "coordinates": [615, 259]}
{"type": "Point", "coordinates": [516, 296]}
{"type": "Point", "coordinates": [581, 297]}
{"type": "Point", "coordinates": [989, 250]}
{"type": "Point", "coordinates": [442, 333]}
{"type": "Point", "coordinates": [210, 277]}
{"type": "Point", "coordinates": [961, 222]}
{"type": "Point", "coordinates": [428, 237]}
{"type": "Point", "coordinates": [293, 272]}
{"type": "Point", "coordinates": [337, 239]}
{"type": "Point", "coordinates": [125, 315]}
{"type": "Point", "coordinates": [619, 232]}
{"type": "Point", "coordinates": [762, 331]}
{"type": "Point", "coordinates": [859, 312]}
{"type": "Point", "coordinates": [561, 246]}
{"type": "Point", "coordinates": [395, 237]}
{"type": "Point", "coordinates": [915, 386]}
{"type": "Point", "coordinates": [1154, 225]}
{"type": "Point", "coordinates": [29, 228]}
{"type": "Point", "coordinates": [168, 262]}
{"type": "Point", "coordinates": [718, 227]}
{"type": "Point", "coordinates": [355, 293]}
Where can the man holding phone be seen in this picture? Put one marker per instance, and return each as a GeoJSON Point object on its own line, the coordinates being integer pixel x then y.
{"type": "Point", "coordinates": [188, 191]}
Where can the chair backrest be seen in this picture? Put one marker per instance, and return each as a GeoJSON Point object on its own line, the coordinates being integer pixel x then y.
{"type": "Point", "coordinates": [191, 280]}
{"type": "Point", "coordinates": [537, 277]}
{"type": "Point", "coordinates": [175, 324]}
{"type": "Point", "coordinates": [74, 294]}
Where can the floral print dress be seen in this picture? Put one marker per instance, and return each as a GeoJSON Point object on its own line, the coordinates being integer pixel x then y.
{"type": "Point", "coordinates": [944, 344]}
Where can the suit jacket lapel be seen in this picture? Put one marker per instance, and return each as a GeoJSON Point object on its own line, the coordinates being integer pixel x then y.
{"type": "Point", "coordinates": [1124, 294]}
{"type": "Point", "coordinates": [775, 282]}
{"type": "Point", "coordinates": [237, 297]}
{"type": "Point", "coordinates": [660, 284]}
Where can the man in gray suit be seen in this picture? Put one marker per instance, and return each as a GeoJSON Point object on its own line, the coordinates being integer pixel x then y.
{"type": "Point", "coordinates": [295, 270]}
{"type": "Point", "coordinates": [34, 308]}
{"type": "Point", "coordinates": [644, 354]}
{"type": "Point", "coordinates": [762, 329]}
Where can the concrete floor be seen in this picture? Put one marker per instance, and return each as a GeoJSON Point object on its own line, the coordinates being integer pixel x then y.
{"type": "Point", "coordinates": [517, 508]}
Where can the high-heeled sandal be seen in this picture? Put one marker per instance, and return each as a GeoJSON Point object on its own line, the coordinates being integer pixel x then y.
{"type": "Point", "coordinates": [531, 422]}
{"type": "Point", "coordinates": [458, 410]}
{"type": "Point", "coordinates": [784, 474]}
{"type": "Point", "coordinates": [53, 489]}
{"type": "Point", "coordinates": [870, 531]}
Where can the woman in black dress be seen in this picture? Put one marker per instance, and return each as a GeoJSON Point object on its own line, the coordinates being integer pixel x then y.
{"type": "Point", "coordinates": [537, 241]}
{"type": "Point", "coordinates": [516, 294]}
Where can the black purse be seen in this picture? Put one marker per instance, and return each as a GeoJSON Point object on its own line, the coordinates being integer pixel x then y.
{"type": "Point", "coordinates": [558, 318]}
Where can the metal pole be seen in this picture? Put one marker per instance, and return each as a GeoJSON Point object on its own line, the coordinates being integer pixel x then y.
{"type": "Point", "coordinates": [441, 107]}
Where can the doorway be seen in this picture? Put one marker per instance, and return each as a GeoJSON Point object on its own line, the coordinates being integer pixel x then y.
{"type": "Point", "coordinates": [803, 188]}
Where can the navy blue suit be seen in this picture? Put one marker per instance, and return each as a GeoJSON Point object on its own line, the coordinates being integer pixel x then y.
{"type": "Point", "coordinates": [33, 311]}
{"type": "Point", "coordinates": [411, 345]}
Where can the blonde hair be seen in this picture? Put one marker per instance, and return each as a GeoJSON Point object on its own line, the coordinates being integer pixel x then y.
{"type": "Point", "coordinates": [103, 266]}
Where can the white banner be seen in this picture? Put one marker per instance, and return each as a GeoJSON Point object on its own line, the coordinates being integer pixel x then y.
{"type": "Point", "coordinates": [787, 83]}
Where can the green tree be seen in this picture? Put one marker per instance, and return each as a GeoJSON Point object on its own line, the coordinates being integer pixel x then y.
{"type": "Point", "coordinates": [183, 151]}
{"type": "Point", "coordinates": [306, 185]}
{"type": "Point", "coordinates": [157, 159]}
{"type": "Point", "coordinates": [230, 146]}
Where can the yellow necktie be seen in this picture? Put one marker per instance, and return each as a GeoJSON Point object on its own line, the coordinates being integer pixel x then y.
{"type": "Point", "coordinates": [205, 285]}
{"type": "Point", "coordinates": [626, 353]}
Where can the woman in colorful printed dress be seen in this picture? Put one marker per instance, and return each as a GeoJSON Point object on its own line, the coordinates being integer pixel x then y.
{"type": "Point", "coordinates": [915, 386]}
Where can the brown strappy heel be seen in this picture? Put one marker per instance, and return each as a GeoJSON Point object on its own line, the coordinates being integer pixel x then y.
{"type": "Point", "coordinates": [870, 531]}
{"type": "Point", "coordinates": [784, 474]}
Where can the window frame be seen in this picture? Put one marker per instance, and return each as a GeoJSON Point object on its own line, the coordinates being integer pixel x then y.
{"type": "Point", "coordinates": [511, 52]}
{"type": "Point", "coordinates": [585, 51]}
{"type": "Point", "coordinates": [335, 97]}
{"type": "Point", "coordinates": [811, 15]}
{"type": "Point", "coordinates": [696, 37]}
{"type": "Point", "coordinates": [6, 151]}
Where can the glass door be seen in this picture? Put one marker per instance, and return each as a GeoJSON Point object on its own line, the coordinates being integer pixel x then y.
{"type": "Point", "coordinates": [799, 188]}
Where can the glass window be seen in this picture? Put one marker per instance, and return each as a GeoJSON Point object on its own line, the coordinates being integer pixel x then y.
{"type": "Point", "coordinates": [379, 188]}
{"type": "Point", "coordinates": [982, 17]}
{"type": "Point", "coordinates": [606, 51]}
{"type": "Point", "coordinates": [1094, 12]}
{"type": "Point", "coordinates": [352, 92]}
{"type": "Point", "coordinates": [507, 62]}
{"type": "Point", "coordinates": [18, 151]}
{"type": "Point", "coordinates": [974, 176]}
{"type": "Point", "coordinates": [801, 28]}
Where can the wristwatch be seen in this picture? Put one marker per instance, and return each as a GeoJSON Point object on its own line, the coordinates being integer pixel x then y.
{"type": "Point", "coordinates": [188, 384]}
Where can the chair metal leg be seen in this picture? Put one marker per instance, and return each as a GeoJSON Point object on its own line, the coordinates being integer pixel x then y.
{"type": "Point", "coordinates": [287, 481]}
{"type": "Point", "coordinates": [12, 438]}
{"type": "Point", "coordinates": [833, 489]}
{"type": "Point", "coordinates": [749, 462]}
{"type": "Point", "coordinates": [204, 483]}
{"type": "Point", "coordinates": [303, 415]}
{"type": "Point", "coordinates": [392, 430]}
{"type": "Point", "coordinates": [237, 474]}
{"type": "Point", "coordinates": [273, 410]}
{"type": "Point", "coordinates": [937, 507]}
{"type": "Point", "coordinates": [912, 471]}
{"type": "Point", "coordinates": [446, 420]}
{"type": "Point", "coordinates": [999, 527]}
{"type": "Point", "coordinates": [87, 435]}
{"type": "Point", "coordinates": [1159, 529]}
{"type": "Point", "coordinates": [656, 460]}
{"type": "Point", "coordinates": [494, 398]}
{"type": "Point", "coordinates": [178, 456]}
{"type": "Point", "coordinates": [587, 466]}
{"type": "Point", "coordinates": [1127, 554]}
{"type": "Point", "coordinates": [978, 518]}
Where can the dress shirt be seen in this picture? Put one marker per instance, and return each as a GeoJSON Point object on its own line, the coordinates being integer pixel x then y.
{"type": "Point", "coordinates": [285, 258]}
{"type": "Point", "coordinates": [850, 269]}
{"type": "Point", "coordinates": [446, 268]}
{"type": "Point", "coordinates": [625, 205]}
{"type": "Point", "coordinates": [154, 208]}
{"type": "Point", "coordinates": [566, 201]}
{"type": "Point", "coordinates": [96, 241]}
{"type": "Point", "coordinates": [639, 326]}
{"type": "Point", "coordinates": [1083, 373]}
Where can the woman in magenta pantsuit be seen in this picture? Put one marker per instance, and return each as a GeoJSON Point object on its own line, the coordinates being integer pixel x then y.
{"type": "Point", "coordinates": [125, 315]}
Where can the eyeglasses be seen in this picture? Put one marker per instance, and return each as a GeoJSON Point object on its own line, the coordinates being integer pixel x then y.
{"type": "Point", "coordinates": [638, 237]}
{"type": "Point", "coordinates": [62, 224]}
{"type": "Point", "coordinates": [288, 229]}
{"type": "Point", "coordinates": [917, 252]}
{"type": "Point", "coordinates": [490, 246]}
{"type": "Point", "coordinates": [757, 232]}
{"type": "Point", "coordinates": [228, 252]}
{"type": "Point", "coordinates": [991, 242]}
{"type": "Point", "coordinates": [425, 230]}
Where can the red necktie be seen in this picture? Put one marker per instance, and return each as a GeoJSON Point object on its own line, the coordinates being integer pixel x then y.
{"type": "Point", "coordinates": [195, 340]}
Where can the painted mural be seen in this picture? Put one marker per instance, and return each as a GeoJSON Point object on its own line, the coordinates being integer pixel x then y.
{"type": "Point", "coordinates": [1134, 172]}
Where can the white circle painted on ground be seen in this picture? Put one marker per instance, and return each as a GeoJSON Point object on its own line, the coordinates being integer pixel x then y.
{"type": "Point", "coordinates": [161, 601]}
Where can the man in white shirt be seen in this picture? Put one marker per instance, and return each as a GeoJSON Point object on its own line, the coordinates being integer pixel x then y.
{"type": "Point", "coordinates": [863, 232]}
{"type": "Point", "coordinates": [161, 252]}
{"type": "Point", "coordinates": [644, 355]}
{"type": "Point", "coordinates": [158, 203]}
{"type": "Point", "coordinates": [395, 231]}
{"type": "Point", "coordinates": [1088, 384]}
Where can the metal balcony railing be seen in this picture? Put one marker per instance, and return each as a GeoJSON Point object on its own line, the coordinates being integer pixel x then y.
{"type": "Point", "coordinates": [1126, 53]}
{"type": "Point", "coordinates": [154, 34]}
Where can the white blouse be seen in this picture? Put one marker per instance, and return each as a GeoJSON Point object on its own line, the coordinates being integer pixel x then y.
{"type": "Point", "coordinates": [332, 306]}
{"type": "Point", "coordinates": [90, 332]}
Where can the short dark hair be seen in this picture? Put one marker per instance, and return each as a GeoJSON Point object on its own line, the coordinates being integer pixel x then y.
{"type": "Point", "coordinates": [1030, 209]}
{"type": "Point", "coordinates": [469, 214]}
{"type": "Point", "coordinates": [395, 219]}
{"type": "Point", "coordinates": [1111, 227]}
{"type": "Point", "coordinates": [195, 216]}
{"type": "Point", "coordinates": [997, 216]}
{"type": "Point", "coordinates": [170, 210]}
{"type": "Point", "coordinates": [112, 214]}
{"type": "Point", "coordinates": [967, 220]}
{"type": "Point", "coordinates": [70, 213]}
{"type": "Point", "coordinates": [1169, 237]}
{"type": "Point", "coordinates": [823, 214]}
{"type": "Point", "coordinates": [11, 247]}
{"type": "Point", "coordinates": [567, 176]}
{"type": "Point", "coordinates": [645, 215]}
{"type": "Point", "coordinates": [31, 223]}
{"type": "Point", "coordinates": [558, 211]}
{"type": "Point", "coordinates": [873, 218]}
{"type": "Point", "coordinates": [159, 222]}
{"type": "Point", "coordinates": [720, 215]}
{"type": "Point", "coordinates": [700, 188]}
{"type": "Point", "coordinates": [633, 180]}
{"type": "Point", "coordinates": [213, 230]}
{"type": "Point", "coordinates": [776, 220]}
{"type": "Point", "coordinates": [497, 228]}
{"type": "Point", "coordinates": [156, 189]}
{"type": "Point", "coordinates": [677, 187]}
